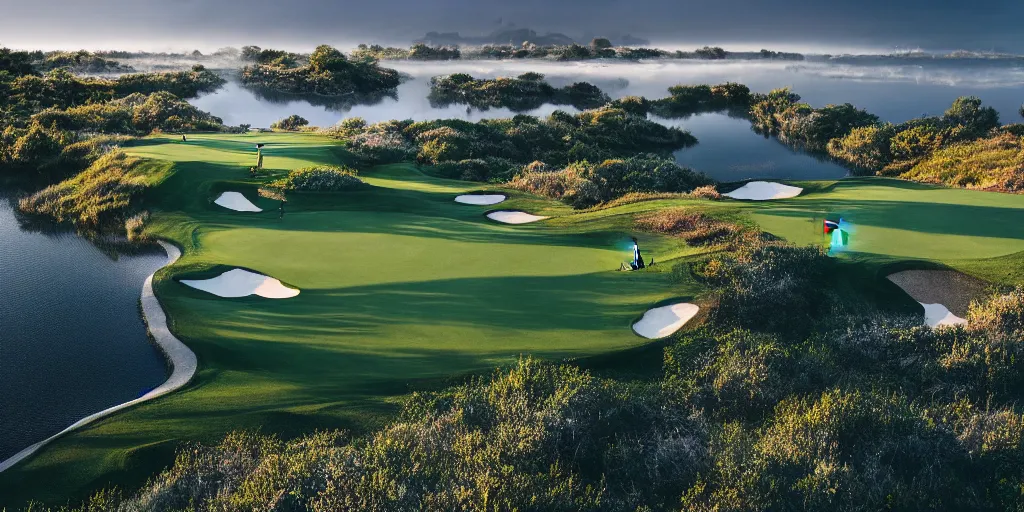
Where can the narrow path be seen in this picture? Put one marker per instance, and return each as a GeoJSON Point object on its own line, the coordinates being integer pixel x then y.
{"type": "Point", "coordinates": [183, 362]}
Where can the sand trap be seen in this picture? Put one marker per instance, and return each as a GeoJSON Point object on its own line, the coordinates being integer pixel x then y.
{"type": "Point", "coordinates": [663, 321]}
{"type": "Point", "coordinates": [764, 191]}
{"type": "Point", "coordinates": [182, 359]}
{"type": "Point", "coordinates": [513, 217]}
{"type": "Point", "coordinates": [480, 199]}
{"type": "Point", "coordinates": [945, 294]}
{"type": "Point", "coordinates": [936, 315]}
{"type": "Point", "coordinates": [950, 288]}
{"type": "Point", "coordinates": [241, 283]}
{"type": "Point", "coordinates": [237, 202]}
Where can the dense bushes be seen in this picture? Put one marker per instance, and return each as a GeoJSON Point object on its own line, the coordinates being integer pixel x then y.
{"type": "Point", "coordinates": [526, 92]}
{"type": "Point", "coordinates": [763, 278]}
{"type": "Point", "coordinates": [685, 100]}
{"type": "Point", "coordinates": [507, 144]}
{"type": "Point", "coordinates": [104, 195]}
{"type": "Point", "coordinates": [582, 184]}
{"type": "Point", "coordinates": [81, 61]}
{"type": "Point", "coordinates": [965, 147]}
{"type": "Point", "coordinates": [292, 122]}
{"type": "Point", "coordinates": [320, 179]}
{"type": "Point", "coordinates": [183, 84]}
{"type": "Point", "coordinates": [995, 163]}
{"type": "Point", "coordinates": [328, 73]}
{"type": "Point", "coordinates": [134, 114]}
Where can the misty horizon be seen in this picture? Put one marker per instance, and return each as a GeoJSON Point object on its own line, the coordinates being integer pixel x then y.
{"type": "Point", "coordinates": [872, 26]}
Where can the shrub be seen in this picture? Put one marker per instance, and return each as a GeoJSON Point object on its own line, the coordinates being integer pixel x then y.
{"type": "Point", "coordinates": [765, 277]}
{"type": "Point", "coordinates": [290, 123]}
{"type": "Point", "coordinates": [321, 179]}
{"type": "Point", "coordinates": [995, 163]}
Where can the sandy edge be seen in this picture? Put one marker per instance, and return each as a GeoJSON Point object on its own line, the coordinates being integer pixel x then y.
{"type": "Point", "coordinates": [183, 361]}
{"type": "Point", "coordinates": [764, 191]}
{"type": "Point", "coordinates": [514, 217]}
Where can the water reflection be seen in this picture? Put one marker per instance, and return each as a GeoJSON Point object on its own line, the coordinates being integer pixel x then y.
{"type": "Point", "coordinates": [727, 149]}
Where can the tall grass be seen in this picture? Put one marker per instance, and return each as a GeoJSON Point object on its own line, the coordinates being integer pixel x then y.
{"type": "Point", "coordinates": [104, 195]}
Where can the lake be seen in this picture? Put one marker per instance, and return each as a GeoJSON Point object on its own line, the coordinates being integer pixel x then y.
{"type": "Point", "coordinates": [72, 341]}
{"type": "Point", "coordinates": [728, 149]}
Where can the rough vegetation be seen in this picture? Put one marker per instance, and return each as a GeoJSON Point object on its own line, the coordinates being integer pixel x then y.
{"type": "Point", "coordinates": [496, 149]}
{"type": "Point", "coordinates": [525, 92]}
{"type": "Point", "coordinates": [104, 195]}
{"type": "Point", "coordinates": [82, 61]}
{"type": "Point", "coordinates": [582, 184]}
{"type": "Point", "coordinates": [328, 72]}
{"type": "Point", "coordinates": [320, 179]}
{"type": "Point", "coordinates": [292, 122]}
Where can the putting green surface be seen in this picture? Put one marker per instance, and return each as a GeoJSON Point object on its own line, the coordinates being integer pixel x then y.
{"type": "Point", "coordinates": [899, 220]}
{"type": "Point", "coordinates": [400, 286]}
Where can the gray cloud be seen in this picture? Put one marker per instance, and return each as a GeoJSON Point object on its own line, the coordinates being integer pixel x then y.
{"type": "Point", "coordinates": [938, 24]}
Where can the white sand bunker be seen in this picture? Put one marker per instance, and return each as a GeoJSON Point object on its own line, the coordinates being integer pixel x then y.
{"type": "Point", "coordinates": [936, 315]}
{"type": "Point", "coordinates": [514, 217]}
{"type": "Point", "coordinates": [237, 202]}
{"type": "Point", "coordinates": [242, 283]}
{"type": "Point", "coordinates": [480, 199]}
{"type": "Point", "coordinates": [663, 321]}
{"type": "Point", "coordinates": [764, 191]}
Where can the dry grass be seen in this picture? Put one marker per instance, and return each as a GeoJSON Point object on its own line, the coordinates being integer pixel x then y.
{"type": "Point", "coordinates": [693, 226]}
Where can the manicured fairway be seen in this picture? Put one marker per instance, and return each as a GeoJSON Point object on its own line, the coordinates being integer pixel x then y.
{"type": "Point", "coordinates": [400, 285]}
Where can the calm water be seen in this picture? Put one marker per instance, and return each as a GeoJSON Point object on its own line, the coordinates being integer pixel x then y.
{"type": "Point", "coordinates": [71, 338]}
{"type": "Point", "coordinates": [728, 149]}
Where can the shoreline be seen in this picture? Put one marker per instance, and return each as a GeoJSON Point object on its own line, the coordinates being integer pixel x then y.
{"type": "Point", "coordinates": [183, 361]}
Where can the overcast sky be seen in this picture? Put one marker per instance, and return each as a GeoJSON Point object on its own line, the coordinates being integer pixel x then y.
{"type": "Point", "coordinates": [832, 25]}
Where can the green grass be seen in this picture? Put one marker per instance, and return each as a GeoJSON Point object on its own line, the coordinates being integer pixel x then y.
{"type": "Point", "coordinates": [401, 289]}
{"type": "Point", "coordinates": [896, 220]}
{"type": "Point", "coordinates": [404, 289]}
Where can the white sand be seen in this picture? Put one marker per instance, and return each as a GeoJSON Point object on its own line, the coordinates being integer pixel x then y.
{"type": "Point", "coordinates": [764, 191]}
{"type": "Point", "coordinates": [480, 199]}
{"type": "Point", "coordinates": [513, 217]}
{"type": "Point", "coordinates": [663, 321]}
{"type": "Point", "coordinates": [241, 283]}
{"type": "Point", "coordinates": [183, 362]}
{"type": "Point", "coordinates": [936, 315]}
{"type": "Point", "coordinates": [237, 202]}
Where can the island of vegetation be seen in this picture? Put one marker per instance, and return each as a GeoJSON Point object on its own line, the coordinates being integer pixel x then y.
{"type": "Point", "coordinates": [326, 72]}
{"type": "Point", "coordinates": [525, 92]}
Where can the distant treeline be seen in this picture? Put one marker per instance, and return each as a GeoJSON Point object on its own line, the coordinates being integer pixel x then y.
{"type": "Point", "coordinates": [599, 48]}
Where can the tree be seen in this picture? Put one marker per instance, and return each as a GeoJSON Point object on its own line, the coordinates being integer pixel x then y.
{"type": "Point", "coordinates": [600, 43]}
{"type": "Point", "coordinates": [326, 59]}
{"type": "Point", "coordinates": [251, 53]}
{"type": "Point", "coordinates": [975, 119]}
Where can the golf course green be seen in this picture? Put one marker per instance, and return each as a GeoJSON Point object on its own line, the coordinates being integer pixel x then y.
{"type": "Point", "coordinates": [404, 289]}
{"type": "Point", "coordinates": [399, 285]}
